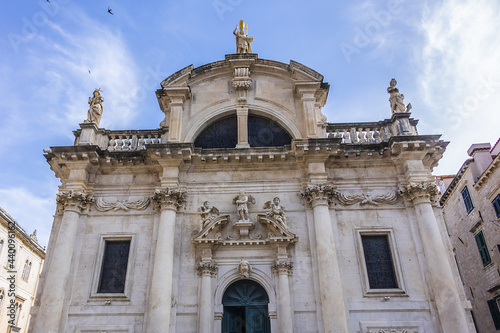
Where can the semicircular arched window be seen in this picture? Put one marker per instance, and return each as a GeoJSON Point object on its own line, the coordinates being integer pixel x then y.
{"type": "Point", "coordinates": [262, 132]}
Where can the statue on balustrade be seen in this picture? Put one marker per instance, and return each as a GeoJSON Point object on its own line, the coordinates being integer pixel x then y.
{"type": "Point", "coordinates": [242, 39]}
{"type": "Point", "coordinates": [396, 99]}
{"type": "Point", "coordinates": [95, 107]}
{"type": "Point", "coordinates": [277, 211]}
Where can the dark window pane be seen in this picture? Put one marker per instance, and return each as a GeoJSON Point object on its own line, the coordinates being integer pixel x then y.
{"type": "Point", "coordinates": [379, 262]}
{"type": "Point", "coordinates": [114, 267]}
{"type": "Point", "coordinates": [221, 134]}
{"type": "Point", "coordinates": [495, 313]}
{"type": "Point", "coordinates": [467, 200]}
{"type": "Point", "coordinates": [496, 205]}
{"type": "Point", "coordinates": [263, 132]}
{"type": "Point", "coordinates": [483, 249]}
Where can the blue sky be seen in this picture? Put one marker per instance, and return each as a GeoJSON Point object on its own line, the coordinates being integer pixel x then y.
{"type": "Point", "coordinates": [444, 55]}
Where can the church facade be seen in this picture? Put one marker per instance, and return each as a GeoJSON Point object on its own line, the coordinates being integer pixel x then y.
{"type": "Point", "coordinates": [246, 211]}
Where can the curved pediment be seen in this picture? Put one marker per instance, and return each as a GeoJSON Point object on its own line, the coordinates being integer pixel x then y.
{"type": "Point", "coordinates": [291, 94]}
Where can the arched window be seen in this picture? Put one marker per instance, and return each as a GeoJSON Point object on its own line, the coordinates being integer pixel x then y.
{"type": "Point", "coordinates": [221, 134]}
{"type": "Point", "coordinates": [26, 270]}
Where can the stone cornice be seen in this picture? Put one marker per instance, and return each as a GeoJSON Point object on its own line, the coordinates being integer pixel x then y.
{"type": "Point", "coordinates": [418, 192]}
{"type": "Point", "coordinates": [74, 200]}
{"type": "Point", "coordinates": [169, 199]}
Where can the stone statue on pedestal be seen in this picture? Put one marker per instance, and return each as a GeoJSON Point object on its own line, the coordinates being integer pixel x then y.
{"type": "Point", "coordinates": [95, 107]}
{"type": "Point", "coordinates": [242, 39]}
{"type": "Point", "coordinates": [241, 202]}
{"type": "Point", "coordinates": [277, 211]}
{"type": "Point", "coordinates": [397, 100]}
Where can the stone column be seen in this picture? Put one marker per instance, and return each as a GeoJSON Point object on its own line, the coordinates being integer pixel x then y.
{"type": "Point", "coordinates": [206, 270]}
{"type": "Point", "coordinates": [451, 312]}
{"type": "Point", "coordinates": [176, 98]}
{"type": "Point", "coordinates": [285, 315]}
{"type": "Point", "coordinates": [160, 294]}
{"type": "Point", "coordinates": [330, 284]}
{"type": "Point", "coordinates": [49, 316]}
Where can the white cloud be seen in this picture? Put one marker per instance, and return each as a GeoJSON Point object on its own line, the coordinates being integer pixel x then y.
{"type": "Point", "coordinates": [460, 78]}
{"type": "Point", "coordinates": [29, 211]}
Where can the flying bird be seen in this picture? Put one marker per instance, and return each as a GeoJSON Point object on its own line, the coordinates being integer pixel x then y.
{"type": "Point", "coordinates": [48, 1]}
{"type": "Point", "coordinates": [109, 11]}
{"type": "Point", "coordinates": [89, 72]}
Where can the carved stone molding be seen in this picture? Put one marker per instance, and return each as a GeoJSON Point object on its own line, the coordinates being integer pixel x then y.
{"type": "Point", "coordinates": [367, 199]}
{"type": "Point", "coordinates": [74, 200]}
{"type": "Point", "coordinates": [282, 266]}
{"type": "Point", "coordinates": [104, 206]}
{"type": "Point", "coordinates": [207, 268]}
{"type": "Point", "coordinates": [418, 192]}
{"type": "Point", "coordinates": [169, 199]}
{"type": "Point", "coordinates": [318, 193]}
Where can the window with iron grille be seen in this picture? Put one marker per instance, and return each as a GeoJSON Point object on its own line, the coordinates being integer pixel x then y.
{"type": "Point", "coordinates": [467, 200]}
{"type": "Point", "coordinates": [378, 260]}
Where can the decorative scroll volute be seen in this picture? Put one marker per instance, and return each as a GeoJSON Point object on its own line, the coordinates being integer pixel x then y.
{"type": "Point", "coordinates": [318, 194]}
{"type": "Point", "coordinates": [74, 200]}
{"type": "Point", "coordinates": [282, 266]}
{"type": "Point", "coordinates": [169, 199]}
{"type": "Point", "coordinates": [207, 268]}
{"type": "Point", "coordinates": [420, 192]}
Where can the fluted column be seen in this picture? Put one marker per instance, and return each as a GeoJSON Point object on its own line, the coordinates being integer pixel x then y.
{"type": "Point", "coordinates": [285, 315]}
{"type": "Point", "coordinates": [451, 312]}
{"type": "Point", "coordinates": [206, 270]}
{"type": "Point", "coordinates": [48, 318]}
{"type": "Point", "coordinates": [160, 295]}
{"type": "Point", "coordinates": [330, 284]}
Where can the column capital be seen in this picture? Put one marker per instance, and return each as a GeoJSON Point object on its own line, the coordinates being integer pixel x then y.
{"type": "Point", "coordinates": [423, 192]}
{"type": "Point", "coordinates": [283, 266]}
{"type": "Point", "coordinates": [207, 268]}
{"type": "Point", "coordinates": [74, 200]}
{"type": "Point", "coordinates": [169, 199]}
{"type": "Point", "coordinates": [318, 194]}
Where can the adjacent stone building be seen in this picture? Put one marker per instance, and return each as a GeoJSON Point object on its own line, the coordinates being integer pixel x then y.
{"type": "Point", "coordinates": [21, 261]}
{"type": "Point", "coordinates": [246, 211]}
{"type": "Point", "coordinates": [471, 208]}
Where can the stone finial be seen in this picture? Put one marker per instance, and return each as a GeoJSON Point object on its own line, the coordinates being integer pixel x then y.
{"type": "Point", "coordinates": [95, 107]}
{"type": "Point", "coordinates": [396, 99]}
{"type": "Point", "coordinates": [33, 236]}
{"type": "Point", "coordinates": [242, 39]}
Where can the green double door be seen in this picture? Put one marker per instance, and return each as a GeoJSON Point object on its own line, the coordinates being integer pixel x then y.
{"type": "Point", "coordinates": [245, 308]}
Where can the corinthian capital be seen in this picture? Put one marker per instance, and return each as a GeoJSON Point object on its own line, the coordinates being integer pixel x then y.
{"type": "Point", "coordinates": [318, 193]}
{"type": "Point", "coordinates": [74, 200]}
{"type": "Point", "coordinates": [282, 266]}
{"type": "Point", "coordinates": [169, 199]}
{"type": "Point", "coordinates": [207, 268]}
{"type": "Point", "coordinates": [419, 191]}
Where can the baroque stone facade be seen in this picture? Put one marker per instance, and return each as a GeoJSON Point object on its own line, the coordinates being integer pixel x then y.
{"type": "Point", "coordinates": [471, 208]}
{"type": "Point", "coordinates": [21, 261]}
{"type": "Point", "coordinates": [246, 208]}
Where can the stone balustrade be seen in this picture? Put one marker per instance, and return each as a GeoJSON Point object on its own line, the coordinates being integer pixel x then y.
{"type": "Point", "coordinates": [132, 140]}
{"type": "Point", "coordinates": [357, 133]}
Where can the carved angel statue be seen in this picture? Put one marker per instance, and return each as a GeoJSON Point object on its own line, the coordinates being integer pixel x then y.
{"type": "Point", "coordinates": [277, 211]}
{"type": "Point", "coordinates": [95, 107]}
{"type": "Point", "coordinates": [242, 201]}
{"type": "Point", "coordinates": [244, 269]}
{"type": "Point", "coordinates": [208, 213]}
{"type": "Point", "coordinates": [242, 39]}
{"type": "Point", "coordinates": [396, 99]}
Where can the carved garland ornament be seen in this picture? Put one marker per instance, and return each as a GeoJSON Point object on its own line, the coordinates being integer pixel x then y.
{"type": "Point", "coordinates": [169, 198]}
{"type": "Point", "coordinates": [366, 199]}
{"type": "Point", "coordinates": [74, 199]}
{"type": "Point", "coordinates": [420, 191]}
{"type": "Point", "coordinates": [104, 206]}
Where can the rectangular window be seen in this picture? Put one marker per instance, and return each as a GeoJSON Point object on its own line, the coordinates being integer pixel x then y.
{"type": "Point", "coordinates": [378, 259]}
{"type": "Point", "coordinates": [483, 249]}
{"type": "Point", "coordinates": [496, 205]}
{"type": "Point", "coordinates": [495, 313]}
{"type": "Point", "coordinates": [114, 266]}
{"type": "Point", "coordinates": [467, 200]}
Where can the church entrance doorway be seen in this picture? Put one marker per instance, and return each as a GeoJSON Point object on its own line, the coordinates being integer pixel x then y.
{"type": "Point", "coordinates": [245, 308]}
